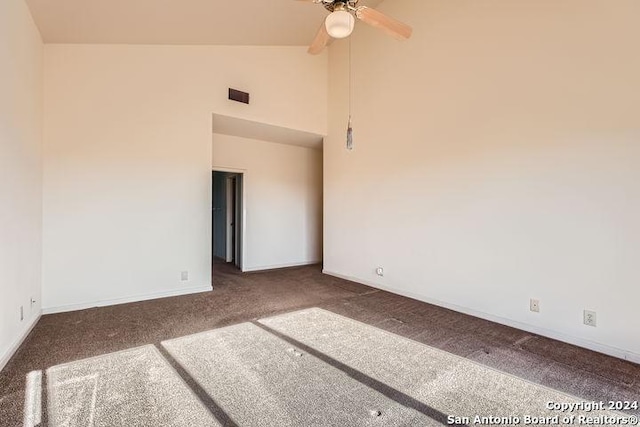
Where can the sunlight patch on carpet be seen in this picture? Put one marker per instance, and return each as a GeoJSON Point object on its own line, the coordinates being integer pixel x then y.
{"type": "Point", "coordinates": [33, 399]}
{"type": "Point", "coordinates": [261, 380]}
{"type": "Point", "coordinates": [131, 387]}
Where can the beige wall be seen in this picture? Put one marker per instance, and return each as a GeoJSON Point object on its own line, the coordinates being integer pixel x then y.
{"type": "Point", "coordinates": [127, 178]}
{"type": "Point", "coordinates": [496, 161]}
{"type": "Point", "coordinates": [20, 173]}
{"type": "Point", "coordinates": [282, 200]}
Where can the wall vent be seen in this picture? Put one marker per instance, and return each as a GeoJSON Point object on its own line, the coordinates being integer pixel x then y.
{"type": "Point", "coordinates": [239, 96]}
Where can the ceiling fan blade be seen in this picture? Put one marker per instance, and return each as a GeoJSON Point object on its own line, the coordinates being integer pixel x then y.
{"type": "Point", "coordinates": [321, 41]}
{"type": "Point", "coordinates": [394, 28]}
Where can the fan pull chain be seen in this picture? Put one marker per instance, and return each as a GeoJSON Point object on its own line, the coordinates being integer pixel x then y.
{"type": "Point", "coordinates": [349, 126]}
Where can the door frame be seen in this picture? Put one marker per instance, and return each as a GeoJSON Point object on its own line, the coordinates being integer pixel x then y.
{"type": "Point", "coordinates": [242, 215]}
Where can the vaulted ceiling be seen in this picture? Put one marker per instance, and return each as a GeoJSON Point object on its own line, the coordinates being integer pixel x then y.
{"type": "Point", "coordinates": [228, 22]}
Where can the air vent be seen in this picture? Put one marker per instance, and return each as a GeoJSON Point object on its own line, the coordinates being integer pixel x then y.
{"type": "Point", "coordinates": [239, 96]}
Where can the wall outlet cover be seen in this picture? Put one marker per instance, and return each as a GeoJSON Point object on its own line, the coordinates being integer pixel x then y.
{"type": "Point", "coordinates": [534, 305]}
{"type": "Point", "coordinates": [184, 276]}
{"type": "Point", "coordinates": [590, 318]}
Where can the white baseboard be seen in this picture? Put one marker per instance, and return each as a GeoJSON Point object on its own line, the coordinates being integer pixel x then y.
{"type": "Point", "coordinates": [18, 342]}
{"type": "Point", "coordinates": [276, 266]}
{"type": "Point", "coordinates": [124, 300]}
{"type": "Point", "coordinates": [580, 342]}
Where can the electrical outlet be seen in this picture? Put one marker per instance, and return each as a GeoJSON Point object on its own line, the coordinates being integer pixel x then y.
{"type": "Point", "coordinates": [534, 305]}
{"type": "Point", "coordinates": [380, 271]}
{"type": "Point", "coordinates": [33, 302]}
{"type": "Point", "coordinates": [21, 313]}
{"type": "Point", "coordinates": [590, 318]}
{"type": "Point", "coordinates": [184, 276]}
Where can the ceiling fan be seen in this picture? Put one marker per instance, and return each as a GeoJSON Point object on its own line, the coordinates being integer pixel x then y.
{"type": "Point", "coordinates": [340, 22]}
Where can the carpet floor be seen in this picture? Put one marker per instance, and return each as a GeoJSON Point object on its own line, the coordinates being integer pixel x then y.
{"type": "Point", "coordinates": [266, 339]}
{"type": "Point", "coordinates": [136, 387]}
{"type": "Point", "coordinates": [259, 379]}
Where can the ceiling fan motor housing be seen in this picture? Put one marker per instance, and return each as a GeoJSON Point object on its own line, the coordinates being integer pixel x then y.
{"type": "Point", "coordinates": [333, 5]}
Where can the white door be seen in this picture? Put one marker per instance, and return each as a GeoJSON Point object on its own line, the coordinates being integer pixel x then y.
{"type": "Point", "coordinates": [230, 217]}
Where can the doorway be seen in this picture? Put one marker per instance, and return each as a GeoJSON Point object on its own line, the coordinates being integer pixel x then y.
{"type": "Point", "coordinates": [227, 218]}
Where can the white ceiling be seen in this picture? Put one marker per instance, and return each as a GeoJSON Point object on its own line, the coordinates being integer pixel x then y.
{"type": "Point", "coordinates": [220, 22]}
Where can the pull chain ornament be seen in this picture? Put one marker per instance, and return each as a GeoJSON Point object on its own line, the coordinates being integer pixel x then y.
{"type": "Point", "coordinates": [349, 136]}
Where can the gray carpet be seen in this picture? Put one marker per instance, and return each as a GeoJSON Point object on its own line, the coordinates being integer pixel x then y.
{"type": "Point", "coordinates": [261, 380]}
{"type": "Point", "coordinates": [443, 382]}
{"type": "Point", "coordinates": [66, 337]}
{"type": "Point", "coordinates": [306, 368]}
{"type": "Point", "coordinates": [134, 387]}
{"type": "Point", "coordinates": [316, 368]}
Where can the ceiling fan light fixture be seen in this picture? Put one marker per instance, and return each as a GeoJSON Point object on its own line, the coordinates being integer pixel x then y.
{"type": "Point", "coordinates": [340, 24]}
